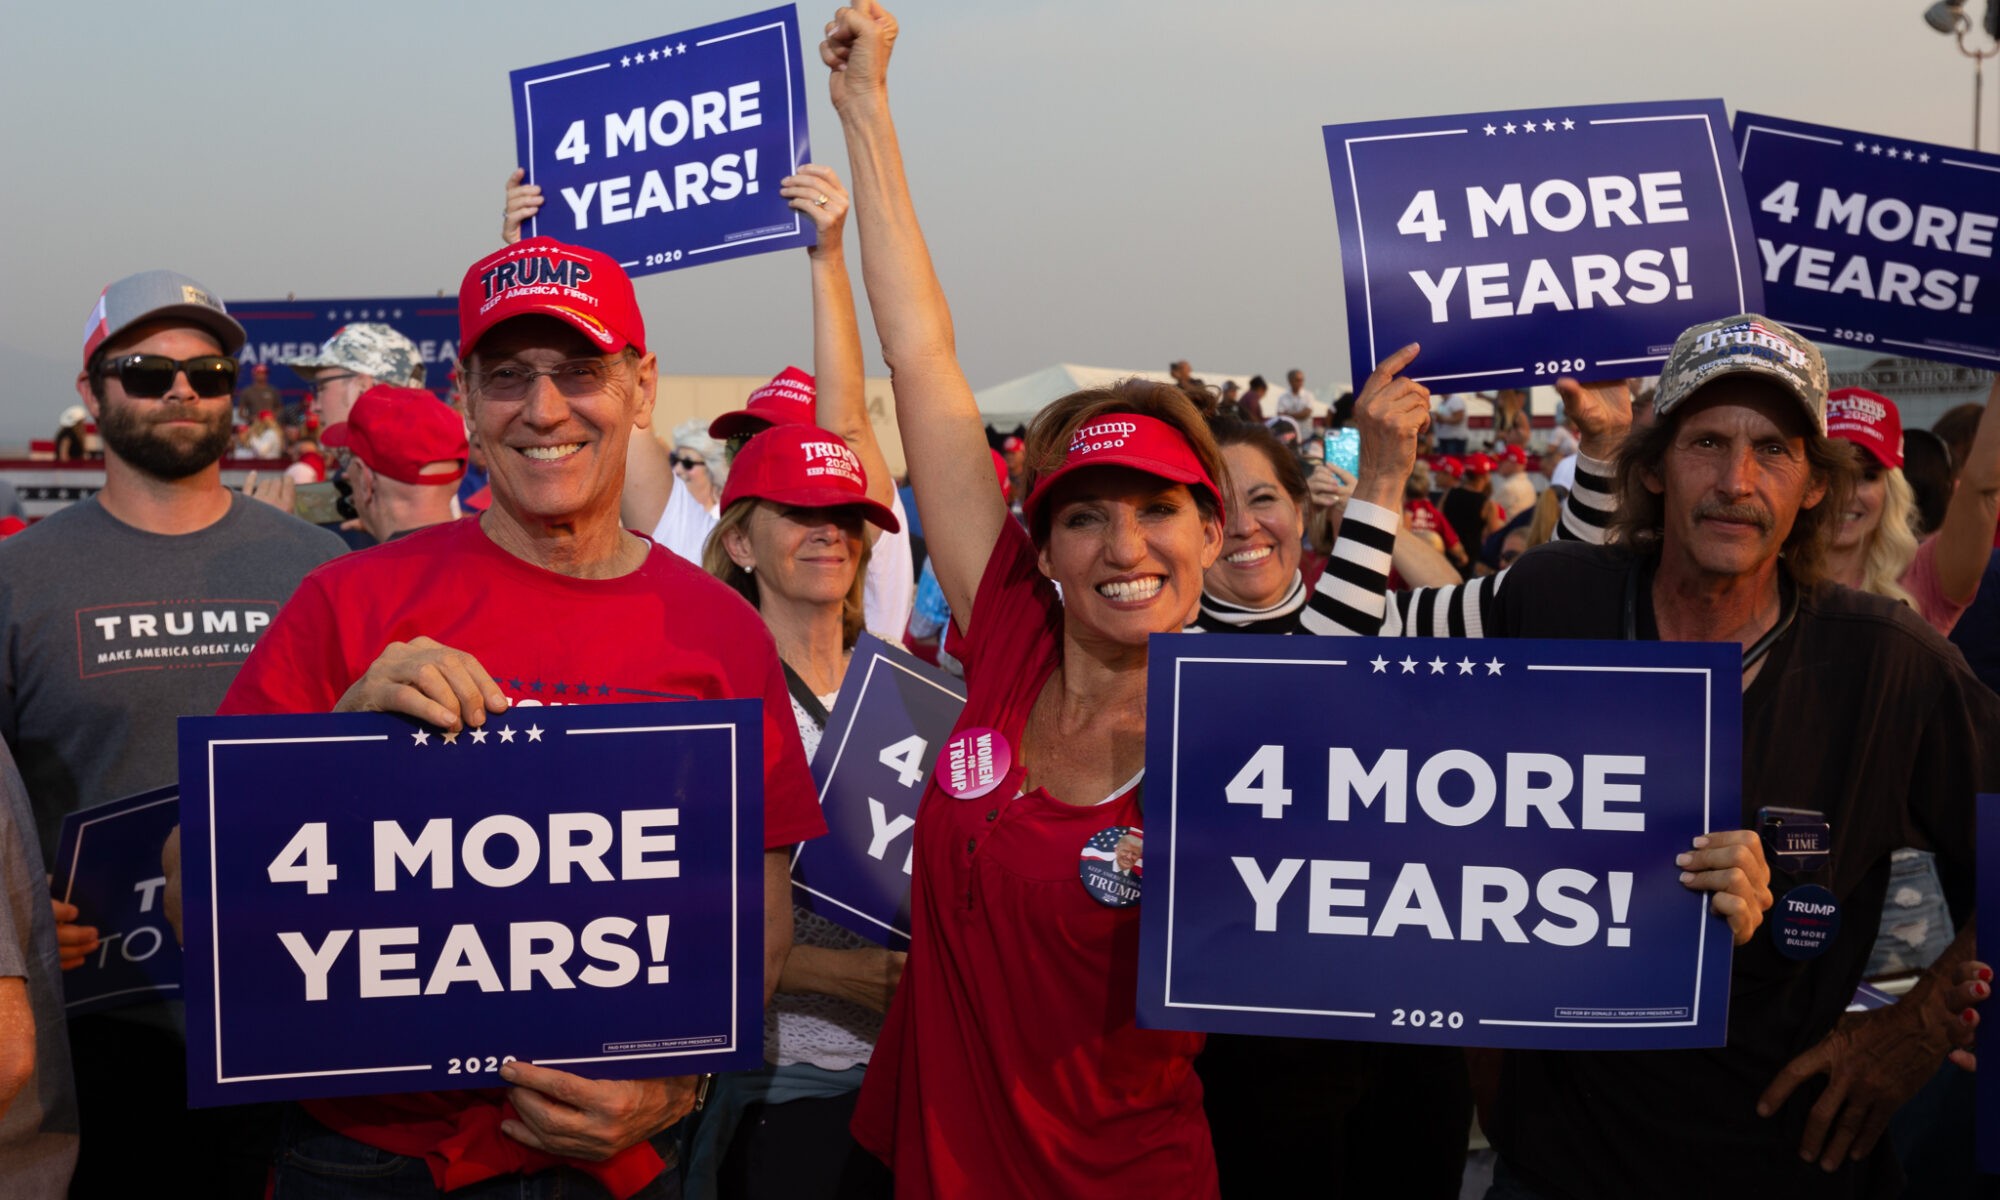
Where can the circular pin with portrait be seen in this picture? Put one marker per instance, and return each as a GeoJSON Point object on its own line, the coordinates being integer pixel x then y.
{"type": "Point", "coordinates": [973, 763]}
{"type": "Point", "coordinates": [1113, 866]}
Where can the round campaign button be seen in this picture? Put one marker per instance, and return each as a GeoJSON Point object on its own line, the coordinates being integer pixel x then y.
{"type": "Point", "coordinates": [1804, 921]}
{"type": "Point", "coordinates": [974, 763]}
{"type": "Point", "coordinates": [1113, 863]}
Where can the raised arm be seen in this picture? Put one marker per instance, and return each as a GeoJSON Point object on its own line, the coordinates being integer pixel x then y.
{"type": "Point", "coordinates": [944, 440]}
{"type": "Point", "coordinates": [1965, 539]}
{"type": "Point", "coordinates": [839, 377]}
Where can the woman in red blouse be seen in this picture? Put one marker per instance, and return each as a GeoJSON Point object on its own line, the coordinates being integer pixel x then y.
{"type": "Point", "coordinates": [1010, 1064]}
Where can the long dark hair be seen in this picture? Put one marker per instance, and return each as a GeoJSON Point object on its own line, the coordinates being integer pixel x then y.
{"type": "Point", "coordinates": [1641, 518]}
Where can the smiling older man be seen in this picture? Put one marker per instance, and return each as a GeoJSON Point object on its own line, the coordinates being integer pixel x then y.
{"type": "Point", "coordinates": [545, 585]}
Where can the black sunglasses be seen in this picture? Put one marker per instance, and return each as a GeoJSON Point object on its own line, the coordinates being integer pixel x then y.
{"type": "Point", "coordinates": [150, 376]}
{"type": "Point", "coordinates": [689, 463]}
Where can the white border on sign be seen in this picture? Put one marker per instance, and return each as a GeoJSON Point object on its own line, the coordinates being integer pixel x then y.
{"type": "Point", "coordinates": [1367, 292]}
{"type": "Point", "coordinates": [82, 828]}
{"type": "Point", "coordinates": [834, 768]}
{"type": "Point", "coordinates": [1743, 156]}
{"type": "Point", "coordinates": [791, 126]}
{"type": "Point", "coordinates": [1173, 827]}
{"type": "Point", "coordinates": [735, 886]}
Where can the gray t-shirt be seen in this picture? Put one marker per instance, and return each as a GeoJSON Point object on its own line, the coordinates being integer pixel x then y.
{"type": "Point", "coordinates": [108, 634]}
{"type": "Point", "coordinates": [38, 1134]}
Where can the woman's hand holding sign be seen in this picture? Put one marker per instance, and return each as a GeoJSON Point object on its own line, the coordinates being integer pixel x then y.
{"type": "Point", "coordinates": [1730, 864]}
{"type": "Point", "coordinates": [432, 682]}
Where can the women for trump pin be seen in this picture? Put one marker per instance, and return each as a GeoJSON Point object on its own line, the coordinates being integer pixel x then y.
{"type": "Point", "coordinates": [1113, 865]}
{"type": "Point", "coordinates": [973, 763]}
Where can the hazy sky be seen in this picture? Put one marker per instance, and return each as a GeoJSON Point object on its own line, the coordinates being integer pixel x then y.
{"type": "Point", "coordinates": [1112, 182]}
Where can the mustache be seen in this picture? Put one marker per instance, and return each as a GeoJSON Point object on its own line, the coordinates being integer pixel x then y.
{"type": "Point", "coordinates": [1747, 513]}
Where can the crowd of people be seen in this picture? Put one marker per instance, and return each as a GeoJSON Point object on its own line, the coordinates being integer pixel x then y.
{"type": "Point", "coordinates": [535, 525]}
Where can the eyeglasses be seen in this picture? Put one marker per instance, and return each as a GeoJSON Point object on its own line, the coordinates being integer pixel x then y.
{"type": "Point", "coordinates": [689, 463]}
{"type": "Point", "coordinates": [318, 383]}
{"type": "Point", "coordinates": [150, 376]}
{"type": "Point", "coordinates": [575, 379]}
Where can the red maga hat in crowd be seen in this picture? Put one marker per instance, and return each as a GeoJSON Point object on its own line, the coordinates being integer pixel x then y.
{"type": "Point", "coordinates": [398, 431]}
{"type": "Point", "coordinates": [1870, 421]}
{"type": "Point", "coordinates": [1123, 439]}
{"type": "Point", "coordinates": [804, 466]}
{"type": "Point", "coordinates": [1479, 464]}
{"type": "Point", "coordinates": [1513, 454]}
{"type": "Point", "coordinates": [1448, 464]}
{"type": "Point", "coordinates": [786, 400]}
{"type": "Point", "coordinates": [578, 286]}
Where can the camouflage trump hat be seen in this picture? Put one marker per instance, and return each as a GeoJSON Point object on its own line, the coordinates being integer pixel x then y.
{"type": "Point", "coordinates": [366, 348]}
{"type": "Point", "coordinates": [1746, 344]}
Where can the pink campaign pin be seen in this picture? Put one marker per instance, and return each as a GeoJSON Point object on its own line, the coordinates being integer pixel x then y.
{"type": "Point", "coordinates": [974, 763]}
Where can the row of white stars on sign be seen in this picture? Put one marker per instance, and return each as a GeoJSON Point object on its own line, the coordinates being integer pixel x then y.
{"type": "Point", "coordinates": [626, 60]}
{"type": "Point", "coordinates": [1437, 665]}
{"type": "Point", "coordinates": [1906, 155]}
{"type": "Point", "coordinates": [479, 736]}
{"type": "Point", "coordinates": [1529, 127]}
{"type": "Point", "coordinates": [348, 314]}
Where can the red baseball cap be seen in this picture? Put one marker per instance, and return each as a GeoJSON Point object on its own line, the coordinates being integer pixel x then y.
{"type": "Point", "coordinates": [397, 431]}
{"type": "Point", "coordinates": [1479, 464]}
{"type": "Point", "coordinates": [806, 466]}
{"type": "Point", "coordinates": [1870, 421]}
{"type": "Point", "coordinates": [578, 286]}
{"type": "Point", "coordinates": [1514, 454]}
{"type": "Point", "coordinates": [1449, 464]}
{"type": "Point", "coordinates": [786, 400]}
{"type": "Point", "coordinates": [1123, 439]}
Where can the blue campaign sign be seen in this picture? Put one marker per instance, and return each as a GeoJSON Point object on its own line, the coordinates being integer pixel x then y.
{"type": "Point", "coordinates": [1874, 241]}
{"type": "Point", "coordinates": [1524, 245]}
{"type": "Point", "coordinates": [577, 887]}
{"type": "Point", "coordinates": [1377, 857]}
{"type": "Point", "coordinates": [286, 329]}
{"type": "Point", "coordinates": [667, 153]}
{"type": "Point", "coordinates": [108, 865]}
{"type": "Point", "coordinates": [1987, 877]}
{"type": "Point", "coordinates": [874, 761]}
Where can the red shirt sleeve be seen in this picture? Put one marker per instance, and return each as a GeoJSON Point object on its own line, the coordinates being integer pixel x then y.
{"type": "Point", "coordinates": [297, 666]}
{"type": "Point", "coordinates": [791, 800]}
{"type": "Point", "coordinates": [1015, 608]}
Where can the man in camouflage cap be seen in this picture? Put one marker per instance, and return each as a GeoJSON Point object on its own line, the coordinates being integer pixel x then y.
{"type": "Point", "coordinates": [354, 359]}
{"type": "Point", "coordinates": [1862, 730]}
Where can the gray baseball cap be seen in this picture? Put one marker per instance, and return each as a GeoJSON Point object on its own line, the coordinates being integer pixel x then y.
{"type": "Point", "coordinates": [366, 348]}
{"type": "Point", "coordinates": [1746, 344]}
{"type": "Point", "coordinates": [158, 296]}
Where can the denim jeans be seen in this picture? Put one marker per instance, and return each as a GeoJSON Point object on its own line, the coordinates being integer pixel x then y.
{"type": "Point", "coordinates": [315, 1163]}
{"type": "Point", "coordinates": [1916, 924]}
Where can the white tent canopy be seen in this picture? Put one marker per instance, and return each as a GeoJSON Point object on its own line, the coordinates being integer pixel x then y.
{"type": "Point", "coordinates": [1015, 401]}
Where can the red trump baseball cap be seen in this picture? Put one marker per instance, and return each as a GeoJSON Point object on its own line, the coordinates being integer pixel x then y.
{"type": "Point", "coordinates": [786, 400]}
{"type": "Point", "coordinates": [541, 276]}
{"type": "Point", "coordinates": [804, 466]}
{"type": "Point", "coordinates": [399, 431]}
{"type": "Point", "coordinates": [1869, 420]}
{"type": "Point", "coordinates": [1124, 439]}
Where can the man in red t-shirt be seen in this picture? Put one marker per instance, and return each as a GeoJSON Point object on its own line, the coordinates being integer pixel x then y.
{"type": "Point", "coordinates": [544, 599]}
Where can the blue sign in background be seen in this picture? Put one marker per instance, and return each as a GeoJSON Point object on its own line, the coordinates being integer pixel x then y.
{"type": "Point", "coordinates": [1577, 175]}
{"type": "Point", "coordinates": [1987, 1088]}
{"type": "Point", "coordinates": [667, 153]}
{"type": "Point", "coordinates": [287, 329]}
{"type": "Point", "coordinates": [108, 865]}
{"type": "Point", "coordinates": [876, 757]}
{"type": "Point", "coordinates": [1874, 241]}
{"type": "Point", "coordinates": [1228, 797]}
{"type": "Point", "coordinates": [682, 996]}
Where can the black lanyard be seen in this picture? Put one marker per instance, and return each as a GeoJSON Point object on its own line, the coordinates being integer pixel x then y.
{"type": "Point", "coordinates": [1788, 600]}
